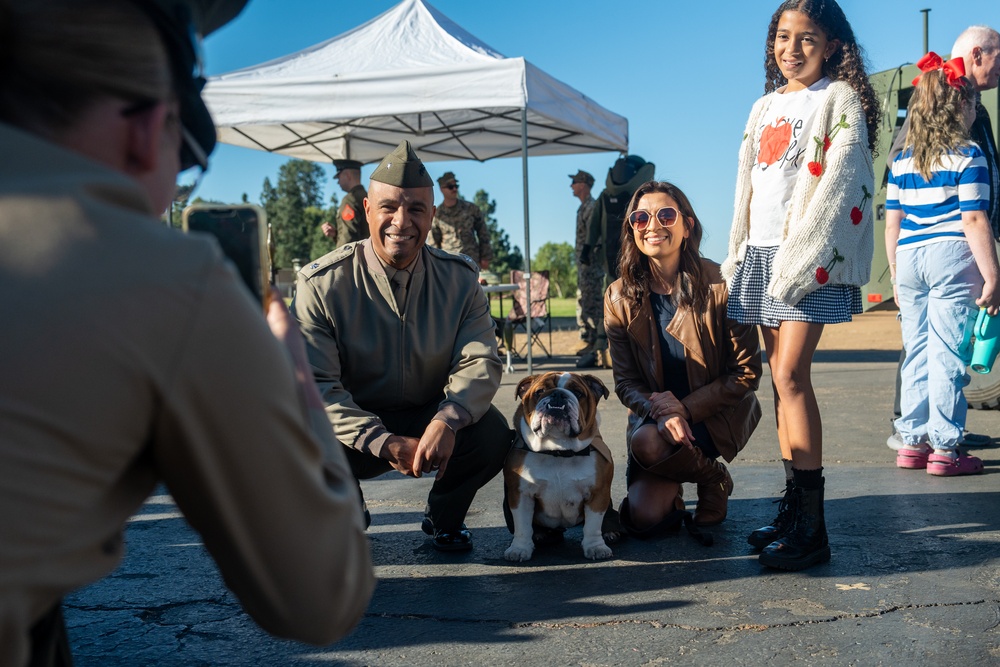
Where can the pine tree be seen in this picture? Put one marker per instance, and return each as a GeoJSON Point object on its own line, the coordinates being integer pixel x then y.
{"type": "Point", "coordinates": [300, 186]}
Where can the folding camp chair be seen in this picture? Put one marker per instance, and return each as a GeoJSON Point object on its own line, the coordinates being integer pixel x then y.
{"type": "Point", "coordinates": [541, 317]}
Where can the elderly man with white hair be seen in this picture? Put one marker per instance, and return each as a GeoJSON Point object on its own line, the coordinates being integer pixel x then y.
{"type": "Point", "coordinates": [979, 47]}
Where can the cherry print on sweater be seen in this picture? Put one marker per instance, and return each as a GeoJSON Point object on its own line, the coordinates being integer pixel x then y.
{"type": "Point", "coordinates": [823, 145]}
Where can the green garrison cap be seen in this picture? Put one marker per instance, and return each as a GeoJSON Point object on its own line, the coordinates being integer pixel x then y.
{"type": "Point", "coordinates": [403, 169]}
{"type": "Point", "coordinates": [341, 165]}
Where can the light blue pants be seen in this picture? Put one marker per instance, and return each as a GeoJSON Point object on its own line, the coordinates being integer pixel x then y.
{"type": "Point", "coordinates": [938, 285]}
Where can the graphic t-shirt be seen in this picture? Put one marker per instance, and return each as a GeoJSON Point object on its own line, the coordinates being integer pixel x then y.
{"type": "Point", "coordinates": [784, 146]}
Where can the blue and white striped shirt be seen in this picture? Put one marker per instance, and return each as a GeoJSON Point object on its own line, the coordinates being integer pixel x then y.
{"type": "Point", "coordinates": [932, 210]}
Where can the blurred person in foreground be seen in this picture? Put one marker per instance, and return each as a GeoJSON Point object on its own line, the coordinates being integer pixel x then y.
{"type": "Point", "coordinates": [401, 342]}
{"type": "Point", "coordinates": [137, 355]}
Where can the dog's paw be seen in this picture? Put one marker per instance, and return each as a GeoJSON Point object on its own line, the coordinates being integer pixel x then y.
{"type": "Point", "coordinates": [597, 551]}
{"type": "Point", "coordinates": [519, 552]}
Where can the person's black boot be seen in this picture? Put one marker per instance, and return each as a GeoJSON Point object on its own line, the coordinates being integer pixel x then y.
{"type": "Point", "coordinates": [763, 536]}
{"type": "Point", "coordinates": [805, 544]}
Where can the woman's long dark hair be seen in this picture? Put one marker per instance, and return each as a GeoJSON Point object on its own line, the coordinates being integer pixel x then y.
{"type": "Point", "coordinates": [691, 288]}
{"type": "Point", "coordinates": [847, 63]}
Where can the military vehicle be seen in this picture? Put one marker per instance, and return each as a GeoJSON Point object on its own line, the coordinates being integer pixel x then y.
{"type": "Point", "coordinates": [895, 87]}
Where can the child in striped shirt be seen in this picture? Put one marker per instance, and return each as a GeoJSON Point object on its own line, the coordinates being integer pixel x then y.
{"type": "Point", "coordinates": [939, 237]}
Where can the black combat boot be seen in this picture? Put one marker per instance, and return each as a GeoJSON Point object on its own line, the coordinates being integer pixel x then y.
{"type": "Point", "coordinates": [805, 544]}
{"type": "Point", "coordinates": [761, 537]}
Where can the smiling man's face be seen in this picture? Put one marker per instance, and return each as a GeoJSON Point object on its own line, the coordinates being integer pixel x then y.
{"type": "Point", "coordinates": [399, 220]}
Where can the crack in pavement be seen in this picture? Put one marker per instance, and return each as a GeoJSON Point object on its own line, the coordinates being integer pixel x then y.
{"type": "Point", "coordinates": [756, 627]}
{"type": "Point", "coordinates": [158, 609]}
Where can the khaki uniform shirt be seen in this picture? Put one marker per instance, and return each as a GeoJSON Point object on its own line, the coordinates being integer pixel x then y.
{"type": "Point", "coordinates": [370, 357]}
{"type": "Point", "coordinates": [133, 354]}
{"type": "Point", "coordinates": [352, 224]}
{"type": "Point", "coordinates": [460, 229]}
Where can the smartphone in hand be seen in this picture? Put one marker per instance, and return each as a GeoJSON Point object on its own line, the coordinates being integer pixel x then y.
{"type": "Point", "coordinates": [241, 230]}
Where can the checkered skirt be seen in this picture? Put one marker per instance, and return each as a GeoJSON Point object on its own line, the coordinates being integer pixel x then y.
{"type": "Point", "coordinates": [750, 304]}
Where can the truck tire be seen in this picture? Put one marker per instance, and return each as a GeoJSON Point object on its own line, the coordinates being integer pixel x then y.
{"type": "Point", "coordinates": [983, 391]}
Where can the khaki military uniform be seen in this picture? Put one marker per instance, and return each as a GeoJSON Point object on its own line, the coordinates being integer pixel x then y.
{"type": "Point", "coordinates": [132, 354]}
{"type": "Point", "coordinates": [433, 357]}
{"type": "Point", "coordinates": [352, 224]}
{"type": "Point", "coordinates": [589, 279]}
{"type": "Point", "coordinates": [460, 229]}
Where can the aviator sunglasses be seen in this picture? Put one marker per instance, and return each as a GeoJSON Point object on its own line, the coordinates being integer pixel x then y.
{"type": "Point", "coordinates": [666, 216]}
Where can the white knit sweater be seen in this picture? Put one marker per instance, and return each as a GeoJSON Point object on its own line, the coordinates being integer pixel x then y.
{"type": "Point", "coordinates": [828, 235]}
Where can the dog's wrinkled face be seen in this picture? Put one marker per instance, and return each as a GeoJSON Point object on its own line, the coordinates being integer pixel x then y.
{"type": "Point", "coordinates": [561, 408]}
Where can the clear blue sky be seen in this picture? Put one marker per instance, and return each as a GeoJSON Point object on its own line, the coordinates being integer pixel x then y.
{"type": "Point", "coordinates": [684, 74]}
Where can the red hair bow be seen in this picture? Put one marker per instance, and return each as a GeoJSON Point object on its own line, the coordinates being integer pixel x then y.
{"type": "Point", "coordinates": [953, 69]}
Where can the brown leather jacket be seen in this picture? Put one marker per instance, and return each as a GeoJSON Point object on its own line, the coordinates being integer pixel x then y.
{"type": "Point", "coordinates": [723, 363]}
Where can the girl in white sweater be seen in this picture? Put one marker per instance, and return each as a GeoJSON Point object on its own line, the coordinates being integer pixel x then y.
{"type": "Point", "coordinates": [802, 240]}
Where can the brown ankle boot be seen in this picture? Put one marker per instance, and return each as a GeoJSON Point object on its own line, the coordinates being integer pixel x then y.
{"type": "Point", "coordinates": [715, 485]}
{"type": "Point", "coordinates": [713, 498]}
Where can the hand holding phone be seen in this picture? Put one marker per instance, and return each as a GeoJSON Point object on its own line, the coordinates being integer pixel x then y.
{"type": "Point", "coordinates": [241, 232]}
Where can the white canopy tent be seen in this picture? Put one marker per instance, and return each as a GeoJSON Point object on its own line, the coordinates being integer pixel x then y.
{"type": "Point", "coordinates": [410, 73]}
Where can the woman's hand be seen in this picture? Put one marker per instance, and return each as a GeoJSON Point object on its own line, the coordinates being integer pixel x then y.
{"type": "Point", "coordinates": [675, 430]}
{"type": "Point", "coordinates": [664, 403]}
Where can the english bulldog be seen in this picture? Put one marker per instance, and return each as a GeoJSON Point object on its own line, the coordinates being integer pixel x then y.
{"type": "Point", "coordinates": [559, 472]}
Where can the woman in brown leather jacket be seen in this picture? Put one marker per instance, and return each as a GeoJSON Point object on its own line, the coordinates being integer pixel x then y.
{"type": "Point", "coordinates": [684, 370]}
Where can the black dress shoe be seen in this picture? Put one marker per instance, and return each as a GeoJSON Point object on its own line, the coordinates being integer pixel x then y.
{"type": "Point", "coordinates": [456, 540]}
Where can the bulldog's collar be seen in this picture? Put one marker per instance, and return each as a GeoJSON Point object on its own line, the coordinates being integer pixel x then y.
{"type": "Point", "coordinates": [519, 443]}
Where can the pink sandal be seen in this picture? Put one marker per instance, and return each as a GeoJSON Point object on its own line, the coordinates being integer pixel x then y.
{"type": "Point", "coordinates": [913, 459]}
{"type": "Point", "coordinates": [945, 466]}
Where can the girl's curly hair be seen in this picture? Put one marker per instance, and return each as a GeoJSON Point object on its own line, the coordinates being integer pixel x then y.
{"type": "Point", "coordinates": [937, 122]}
{"type": "Point", "coordinates": [847, 63]}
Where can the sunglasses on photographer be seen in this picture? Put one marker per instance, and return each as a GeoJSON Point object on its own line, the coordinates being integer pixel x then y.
{"type": "Point", "coordinates": [667, 217]}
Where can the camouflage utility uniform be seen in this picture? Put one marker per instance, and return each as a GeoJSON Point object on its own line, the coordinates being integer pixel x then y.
{"type": "Point", "coordinates": [589, 280]}
{"type": "Point", "coordinates": [457, 228]}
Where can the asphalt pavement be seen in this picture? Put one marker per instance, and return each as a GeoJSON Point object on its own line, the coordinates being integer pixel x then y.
{"type": "Point", "coordinates": [914, 578]}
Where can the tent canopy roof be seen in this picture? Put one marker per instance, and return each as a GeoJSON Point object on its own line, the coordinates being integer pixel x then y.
{"type": "Point", "coordinates": [410, 73]}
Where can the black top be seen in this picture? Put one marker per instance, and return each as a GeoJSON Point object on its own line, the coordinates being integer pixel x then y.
{"type": "Point", "coordinates": [672, 358]}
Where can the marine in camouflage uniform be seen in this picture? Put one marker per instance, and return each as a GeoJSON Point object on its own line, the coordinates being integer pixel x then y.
{"type": "Point", "coordinates": [589, 277]}
{"type": "Point", "coordinates": [352, 225]}
{"type": "Point", "coordinates": [459, 227]}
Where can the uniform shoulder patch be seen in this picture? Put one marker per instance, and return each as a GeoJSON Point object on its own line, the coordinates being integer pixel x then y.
{"type": "Point", "coordinates": [464, 260]}
{"type": "Point", "coordinates": [327, 260]}
{"type": "Point", "coordinates": [347, 213]}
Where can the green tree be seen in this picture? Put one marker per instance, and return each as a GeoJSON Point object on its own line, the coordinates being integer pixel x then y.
{"type": "Point", "coordinates": [505, 257]}
{"type": "Point", "coordinates": [176, 210]}
{"type": "Point", "coordinates": [299, 188]}
{"type": "Point", "coordinates": [559, 259]}
{"type": "Point", "coordinates": [321, 243]}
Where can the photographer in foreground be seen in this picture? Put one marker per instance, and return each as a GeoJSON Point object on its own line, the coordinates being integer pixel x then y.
{"type": "Point", "coordinates": [133, 354]}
